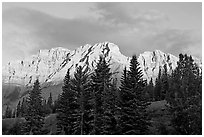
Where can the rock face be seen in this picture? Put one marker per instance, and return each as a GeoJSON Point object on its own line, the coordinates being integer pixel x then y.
{"type": "Point", "coordinates": [50, 66]}
{"type": "Point", "coordinates": [43, 64]}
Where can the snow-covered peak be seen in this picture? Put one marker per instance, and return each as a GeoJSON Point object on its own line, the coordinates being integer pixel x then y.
{"type": "Point", "coordinates": [108, 46]}
{"type": "Point", "coordinates": [151, 62]}
{"type": "Point", "coordinates": [111, 51]}
{"type": "Point", "coordinates": [50, 66]}
{"type": "Point", "coordinates": [88, 55]}
{"type": "Point", "coordinates": [40, 66]}
{"type": "Point", "coordinates": [58, 51]}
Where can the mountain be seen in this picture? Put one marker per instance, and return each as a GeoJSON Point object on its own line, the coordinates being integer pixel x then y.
{"type": "Point", "coordinates": [50, 67]}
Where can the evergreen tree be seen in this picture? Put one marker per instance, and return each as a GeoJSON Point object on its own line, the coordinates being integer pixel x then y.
{"type": "Point", "coordinates": [14, 113]}
{"type": "Point", "coordinates": [44, 105]}
{"type": "Point", "coordinates": [123, 96]}
{"type": "Point", "coordinates": [110, 111]}
{"type": "Point", "coordinates": [114, 104]}
{"type": "Point", "coordinates": [150, 91]}
{"type": "Point", "coordinates": [164, 83]}
{"type": "Point", "coordinates": [55, 104]}
{"type": "Point", "coordinates": [50, 102]}
{"type": "Point", "coordinates": [134, 118]}
{"type": "Point", "coordinates": [34, 116]}
{"type": "Point", "coordinates": [8, 112]}
{"type": "Point", "coordinates": [101, 85]}
{"type": "Point", "coordinates": [81, 112]}
{"type": "Point", "coordinates": [24, 107]}
{"type": "Point", "coordinates": [185, 99]}
{"type": "Point", "coordinates": [46, 109]}
{"type": "Point", "coordinates": [157, 89]}
{"type": "Point", "coordinates": [18, 110]}
{"type": "Point", "coordinates": [64, 107]}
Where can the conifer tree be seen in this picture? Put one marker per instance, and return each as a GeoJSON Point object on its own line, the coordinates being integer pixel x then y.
{"type": "Point", "coordinates": [34, 116]}
{"type": "Point", "coordinates": [46, 109]}
{"type": "Point", "coordinates": [123, 97]}
{"type": "Point", "coordinates": [50, 103]}
{"type": "Point", "coordinates": [114, 104]}
{"type": "Point", "coordinates": [110, 111]}
{"type": "Point", "coordinates": [64, 107]}
{"type": "Point", "coordinates": [44, 105]}
{"type": "Point", "coordinates": [185, 100]}
{"type": "Point", "coordinates": [24, 107]}
{"type": "Point", "coordinates": [82, 112]}
{"type": "Point", "coordinates": [150, 91]}
{"type": "Point", "coordinates": [151, 85]}
{"type": "Point", "coordinates": [164, 83]}
{"type": "Point", "coordinates": [18, 110]}
{"type": "Point", "coordinates": [14, 113]}
{"type": "Point", "coordinates": [8, 112]}
{"type": "Point", "coordinates": [134, 118]}
{"type": "Point", "coordinates": [157, 89]}
{"type": "Point", "coordinates": [55, 104]}
{"type": "Point", "coordinates": [101, 84]}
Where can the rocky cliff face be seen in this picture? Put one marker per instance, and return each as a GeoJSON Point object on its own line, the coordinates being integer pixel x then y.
{"type": "Point", "coordinates": [41, 65]}
{"type": "Point", "coordinates": [50, 66]}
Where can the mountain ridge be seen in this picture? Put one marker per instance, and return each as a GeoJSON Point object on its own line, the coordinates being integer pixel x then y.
{"type": "Point", "coordinates": [50, 66]}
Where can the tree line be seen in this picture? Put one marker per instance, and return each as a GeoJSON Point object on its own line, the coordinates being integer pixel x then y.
{"type": "Point", "coordinates": [92, 104]}
{"type": "Point", "coordinates": [49, 107]}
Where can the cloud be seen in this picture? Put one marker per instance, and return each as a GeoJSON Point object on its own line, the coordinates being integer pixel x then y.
{"type": "Point", "coordinates": [25, 31]}
{"type": "Point", "coordinates": [149, 30]}
{"type": "Point", "coordinates": [175, 41]}
{"type": "Point", "coordinates": [127, 14]}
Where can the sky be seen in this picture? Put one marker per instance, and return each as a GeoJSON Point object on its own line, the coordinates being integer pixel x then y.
{"type": "Point", "coordinates": [135, 27]}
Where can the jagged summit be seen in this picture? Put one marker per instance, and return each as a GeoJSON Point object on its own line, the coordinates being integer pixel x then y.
{"type": "Point", "coordinates": [109, 46]}
{"type": "Point", "coordinates": [52, 51]}
{"type": "Point", "coordinates": [50, 66]}
{"type": "Point", "coordinates": [105, 46]}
